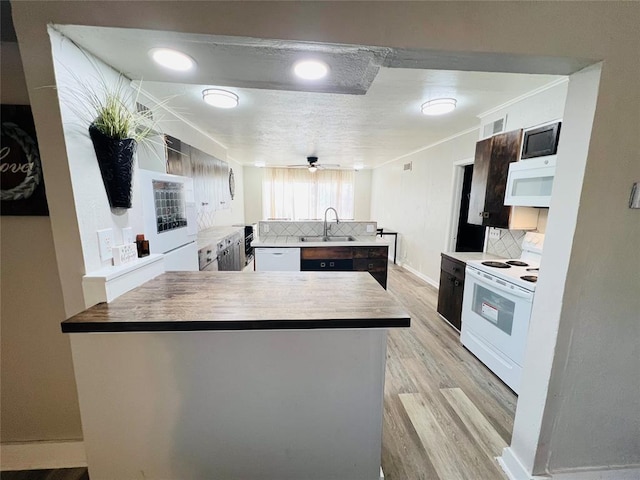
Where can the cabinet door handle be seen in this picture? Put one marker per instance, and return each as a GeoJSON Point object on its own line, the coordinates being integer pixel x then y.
{"type": "Point", "coordinates": [485, 214]}
{"type": "Point", "coordinates": [322, 264]}
{"type": "Point", "coordinates": [456, 283]}
{"type": "Point", "coordinates": [332, 264]}
{"type": "Point", "coordinates": [371, 265]}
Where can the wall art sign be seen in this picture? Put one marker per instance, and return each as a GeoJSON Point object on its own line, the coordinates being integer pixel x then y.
{"type": "Point", "coordinates": [21, 180]}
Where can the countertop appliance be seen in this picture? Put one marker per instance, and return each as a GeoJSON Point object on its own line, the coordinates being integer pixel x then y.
{"type": "Point", "coordinates": [169, 215]}
{"type": "Point", "coordinates": [541, 140]}
{"type": "Point", "coordinates": [496, 308]}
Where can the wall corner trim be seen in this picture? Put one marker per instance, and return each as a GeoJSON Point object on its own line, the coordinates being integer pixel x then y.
{"type": "Point", "coordinates": [42, 455]}
{"type": "Point", "coordinates": [510, 463]}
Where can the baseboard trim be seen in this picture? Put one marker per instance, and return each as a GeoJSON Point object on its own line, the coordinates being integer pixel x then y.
{"type": "Point", "coordinates": [42, 455]}
{"type": "Point", "coordinates": [421, 276]}
{"type": "Point", "coordinates": [512, 466]}
{"type": "Point", "coordinates": [516, 471]}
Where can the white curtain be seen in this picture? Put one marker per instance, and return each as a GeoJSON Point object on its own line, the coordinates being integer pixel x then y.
{"type": "Point", "coordinates": [297, 194]}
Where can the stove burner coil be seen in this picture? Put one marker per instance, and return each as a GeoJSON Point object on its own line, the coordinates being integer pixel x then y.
{"type": "Point", "coordinates": [532, 269]}
{"type": "Point", "coordinates": [493, 264]}
{"type": "Point", "coordinates": [518, 263]}
{"type": "Point", "coordinates": [530, 278]}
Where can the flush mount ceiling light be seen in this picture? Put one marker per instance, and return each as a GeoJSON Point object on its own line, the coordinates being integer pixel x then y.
{"type": "Point", "coordinates": [220, 98]}
{"type": "Point", "coordinates": [311, 69]}
{"type": "Point", "coordinates": [439, 106]}
{"type": "Point", "coordinates": [172, 59]}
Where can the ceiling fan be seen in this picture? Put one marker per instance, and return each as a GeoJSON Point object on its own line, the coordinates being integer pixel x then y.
{"type": "Point", "coordinates": [314, 165]}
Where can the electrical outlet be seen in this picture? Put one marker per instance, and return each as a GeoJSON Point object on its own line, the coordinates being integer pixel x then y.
{"type": "Point", "coordinates": [127, 235]}
{"type": "Point", "coordinates": [495, 233]}
{"type": "Point", "coordinates": [105, 243]}
{"type": "Point", "coordinates": [370, 228]}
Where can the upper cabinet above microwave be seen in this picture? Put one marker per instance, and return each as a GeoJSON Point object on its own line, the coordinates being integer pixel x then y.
{"type": "Point", "coordinates": [540, 141]}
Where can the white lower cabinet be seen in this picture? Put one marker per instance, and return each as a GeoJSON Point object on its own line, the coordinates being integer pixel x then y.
{"type": "Point", "coordinates": [270, 259]}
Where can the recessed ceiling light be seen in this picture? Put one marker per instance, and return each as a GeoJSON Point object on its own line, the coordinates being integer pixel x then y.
{"type": "Point", "coordinates": [220, 98]}
{"type": "Point", "coordinates": [172, 59]}
{"type": "Point", "coordinates": [311, 69]}
{"type": "Point", "coordinates": [439, 106]}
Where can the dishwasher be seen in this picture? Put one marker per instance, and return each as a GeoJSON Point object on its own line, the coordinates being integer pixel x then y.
{"type": "Point", "coordinates": [269, 259]}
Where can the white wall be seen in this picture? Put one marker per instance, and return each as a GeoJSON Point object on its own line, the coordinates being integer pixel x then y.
{"type": "Point", "coordinates": [253, 194]}
{"type": "Point", "coordinates": [542, 37]}
{"type": "Point", "coordinates": [540, 106]}
{"type": "Point", "coordinates": [39, 399]}
{"type": "Point", "coordinates": [417, 202]}
{"type": "Point", "coordinates": [362, 193]}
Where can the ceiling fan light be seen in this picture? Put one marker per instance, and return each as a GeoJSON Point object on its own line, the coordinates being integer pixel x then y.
{"type": "Point", "coordinates": [311, 69]}
{"type": "Point", "coordinates": [439, 106]}
{"type": "Point", "coordinates": [220, 98]}
{"type": "Point", "coordinates": [172, 59]}
{"type": "Point", "coordinates": [313, 168]}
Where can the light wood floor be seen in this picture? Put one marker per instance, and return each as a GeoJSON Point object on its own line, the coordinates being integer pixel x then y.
{"type": "Point", "coordinates": [445, 415]}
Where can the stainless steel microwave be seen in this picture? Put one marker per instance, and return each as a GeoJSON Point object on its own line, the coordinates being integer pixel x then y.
{"type": "Point", "coordinates": [540, 141]}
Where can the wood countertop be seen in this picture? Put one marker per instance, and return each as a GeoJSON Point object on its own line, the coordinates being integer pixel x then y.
{"type": "Point", "coordinates": [190, 301]}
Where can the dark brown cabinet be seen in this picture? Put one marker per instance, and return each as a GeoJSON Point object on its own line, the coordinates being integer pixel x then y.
{"type": "Point", "coordinates": [489, 181]}
{"type": "Point", "coordinates": [451, 290]}
{"type": "Point", "coordinates": [342, 259]}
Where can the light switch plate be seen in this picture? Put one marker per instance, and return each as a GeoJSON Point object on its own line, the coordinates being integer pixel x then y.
{"type": "Point", "coordinates": [495, 233]}
{"type": "Point", "coordinates": [127, 235]}
{"type": "Point", "coordinates": [105, 243]}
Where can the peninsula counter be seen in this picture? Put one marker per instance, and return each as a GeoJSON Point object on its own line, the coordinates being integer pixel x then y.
{"type": "Point", "coordinates": [263, 375]}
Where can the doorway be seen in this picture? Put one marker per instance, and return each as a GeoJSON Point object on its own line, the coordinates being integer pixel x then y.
{"type": "Point", "coordinates": [469, 238]}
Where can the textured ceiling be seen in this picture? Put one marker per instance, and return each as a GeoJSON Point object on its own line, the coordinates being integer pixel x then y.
{"type": "Point", "coordinates": [365, 112]}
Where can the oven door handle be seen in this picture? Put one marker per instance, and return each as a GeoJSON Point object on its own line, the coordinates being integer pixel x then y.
{"type": "Point", "coordinates": [516, 292]}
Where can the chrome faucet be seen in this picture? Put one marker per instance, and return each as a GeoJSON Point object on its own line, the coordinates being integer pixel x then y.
{"type": "Point", "coordinates": [324, 234]}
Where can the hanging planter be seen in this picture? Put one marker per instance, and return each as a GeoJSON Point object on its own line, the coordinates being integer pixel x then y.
{"type": "Point", "coordinates": [117, 124]}
{"type": "Point", "coordinates": [115, 159]}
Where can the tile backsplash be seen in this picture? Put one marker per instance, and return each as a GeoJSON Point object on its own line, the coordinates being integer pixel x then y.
{"type": "Point", "coordinates": [509, 245]}
{"type": "Point", "coordinates": [289, 228]}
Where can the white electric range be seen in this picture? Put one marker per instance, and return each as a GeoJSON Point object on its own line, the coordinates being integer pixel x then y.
{"type": "Point", "coordinates": [496, 308]}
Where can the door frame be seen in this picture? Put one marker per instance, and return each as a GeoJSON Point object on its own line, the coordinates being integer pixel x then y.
{"type": "Point", "coordinates": [456, 191]}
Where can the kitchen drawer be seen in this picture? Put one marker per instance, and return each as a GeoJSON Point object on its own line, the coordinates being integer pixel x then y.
{"type": "Point", "coordinates": [370, 265]}
{"type": "Point", "coordinates": [370, 252]}
{"type": "Point", "coordinates": [336, 265]}
{"type": "Point", "coordinates": [454, 267]}
{"type": "Point", "coordinates": [324, 253]}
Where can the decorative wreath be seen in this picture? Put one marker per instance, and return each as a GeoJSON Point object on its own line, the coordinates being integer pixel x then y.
{"type": "Point", "coordinates": [34, 174]}
{"type": "Point", "coordinates": [232, 184]}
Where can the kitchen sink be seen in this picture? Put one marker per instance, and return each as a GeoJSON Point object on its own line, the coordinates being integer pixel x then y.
{"type": "Point", "coordinates": [327, 239]}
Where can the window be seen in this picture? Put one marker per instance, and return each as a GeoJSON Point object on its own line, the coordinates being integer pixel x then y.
{"type": "Point", "coordinates": [297, 194]}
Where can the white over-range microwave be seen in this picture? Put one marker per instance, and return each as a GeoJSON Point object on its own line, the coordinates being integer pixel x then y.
{"type": "Point", "coordinates": [530, 180]}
